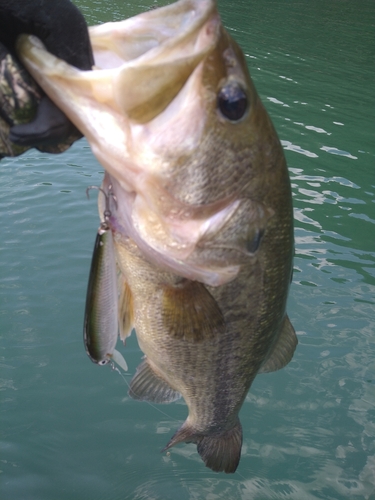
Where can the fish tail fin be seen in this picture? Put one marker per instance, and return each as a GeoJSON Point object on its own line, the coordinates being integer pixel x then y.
{"type": "Point", "coordinates": [220, 451]}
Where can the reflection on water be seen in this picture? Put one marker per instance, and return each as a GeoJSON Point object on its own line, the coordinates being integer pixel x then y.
{"type": "Point", "coordinates": [69, 430]}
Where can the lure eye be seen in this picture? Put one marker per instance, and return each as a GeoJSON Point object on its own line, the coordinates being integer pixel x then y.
{"type": "Point", "coordinates": [232, 102]}
{"type": "Point", "coordinates": [103, 362]}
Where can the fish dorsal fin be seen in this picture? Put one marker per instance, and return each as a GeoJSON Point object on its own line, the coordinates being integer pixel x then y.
{"type": "Point", "coordinates": [125, 310]}
{"type": "Point", "coordinates": [146, 385]}
{"type": "Point", "coordinates": [190, 312]}
{"type": "Point", "coordinates": [283, 350]}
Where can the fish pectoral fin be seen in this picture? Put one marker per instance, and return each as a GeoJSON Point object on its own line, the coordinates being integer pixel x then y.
{"type": "Point", "coordinates": [146, 385]}
{"type": "Point", "coordinates": [126, 320]}
{"type": "Point", "coordinates": [283, 350]}
{"type": "Point", "coordinates": [190, 312]}
{"type": "Point", "coordinates": [220, 451]}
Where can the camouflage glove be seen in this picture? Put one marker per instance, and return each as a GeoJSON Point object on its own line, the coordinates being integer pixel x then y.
{"type": "Point", "coordinates": [20, 98]}
{"type": "Point", "coordinates": [28, 118]}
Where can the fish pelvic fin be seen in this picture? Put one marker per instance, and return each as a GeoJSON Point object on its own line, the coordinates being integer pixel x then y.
{"type": "Point", "coordinates": [283, 349]}
{"type": "Point", "coordinates": [220, 451]}
{"type": "Point", "coordinates": [126, 319]}
{"type": "Point", "coordinates": [190, 312]}
{"type": "Point", "coordinates": [146, 385]}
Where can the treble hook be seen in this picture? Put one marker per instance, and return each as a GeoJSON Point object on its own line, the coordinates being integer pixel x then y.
{"type": "Point", "coordinates": [107, 212]}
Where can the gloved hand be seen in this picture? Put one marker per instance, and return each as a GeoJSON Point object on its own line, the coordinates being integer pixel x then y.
{"type": "Point", "coordinates": [63, 30]}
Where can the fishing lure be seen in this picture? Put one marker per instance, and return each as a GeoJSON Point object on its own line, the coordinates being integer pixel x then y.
{"type": "Point", "coordinates": [101, 326]}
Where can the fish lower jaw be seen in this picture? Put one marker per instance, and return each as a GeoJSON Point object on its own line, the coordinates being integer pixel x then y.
{"type": "Point", "coordinates": [212, 276]}
{"type": "Point", "coordinates": [180, 257]}
{"type": "Point", "coordinates": [170, 253]}
{"type": "Point", "coordinates": [209, 276]}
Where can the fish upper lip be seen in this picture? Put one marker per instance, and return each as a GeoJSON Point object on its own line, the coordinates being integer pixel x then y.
{"type": "Point", "coordinates": [153, 35]}
{"type": "Point", "coordinates": [164, 58]}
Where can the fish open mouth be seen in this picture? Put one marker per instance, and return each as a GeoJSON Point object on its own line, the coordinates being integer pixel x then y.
{"type": "Point", "coordinates": [158, 51]}
{"type": "Point", "coordinates": [141, 64]}
{"type": "Point", "coordinates": [143, 108]}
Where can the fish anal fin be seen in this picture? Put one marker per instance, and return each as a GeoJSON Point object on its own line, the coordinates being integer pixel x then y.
{"type": "Point", "coordinates": [220, 451]}
{"type": "Point", "coordinates": [146, 385]}
{"type": "Point", "coordinates": [190, 312]}
{"type": "Point", "coordinates": [283, 350]}
{"type": "Point", "coordinates": [125, 311]}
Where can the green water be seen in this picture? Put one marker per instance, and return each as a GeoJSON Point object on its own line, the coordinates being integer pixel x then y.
{"type": "Point", "coordinates": [68, 429]}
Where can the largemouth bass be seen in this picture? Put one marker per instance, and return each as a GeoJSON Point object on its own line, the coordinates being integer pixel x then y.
{"type": "Point", "coordinates": [203, 229]}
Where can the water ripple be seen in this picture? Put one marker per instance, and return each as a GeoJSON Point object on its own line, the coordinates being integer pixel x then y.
{"type": "Point", "coordinates": [335, 151]}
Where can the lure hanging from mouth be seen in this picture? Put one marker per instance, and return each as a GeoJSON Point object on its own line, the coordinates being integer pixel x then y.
{"type": "Point", "coordinates": [100, 330]}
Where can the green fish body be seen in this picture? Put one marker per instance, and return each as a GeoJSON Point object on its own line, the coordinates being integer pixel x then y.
{"type": "Point", "coordinates": [203, 228]}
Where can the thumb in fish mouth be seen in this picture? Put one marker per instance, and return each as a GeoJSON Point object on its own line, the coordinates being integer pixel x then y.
{"type": "Point", "coordinates": [28, 118]}
{"type": "Point", "coordinates": [50, 126]}
{"type": "Point", "coordinates": [48, 21]}
{"type": "Point", "coordinates": [137, 83]}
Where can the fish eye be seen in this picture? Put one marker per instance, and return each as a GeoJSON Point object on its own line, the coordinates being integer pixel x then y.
{"type": "Point", "coordinates": [232, 102]}
{"type": "Point", "coordinates": [253, 244]}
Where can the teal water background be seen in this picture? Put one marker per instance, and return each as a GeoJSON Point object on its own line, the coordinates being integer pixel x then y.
{"type": "Point", "coordinates": [69, 431]}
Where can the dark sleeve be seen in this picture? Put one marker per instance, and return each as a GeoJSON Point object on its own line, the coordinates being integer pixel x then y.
{"type": "Point", "coordinates": [63, 30]}
{"type": "Point", "coordinates": [58, 23]}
